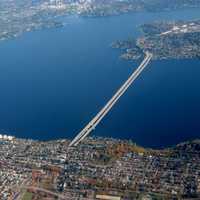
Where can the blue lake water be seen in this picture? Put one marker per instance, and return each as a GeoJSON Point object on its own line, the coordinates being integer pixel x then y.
{"type": "Point", "coordinates": [52, 82]}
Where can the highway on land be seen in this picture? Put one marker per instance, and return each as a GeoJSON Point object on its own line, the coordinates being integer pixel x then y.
{"type": "Point", "coordinates": [54, 194]}
{"type": "Point", "coordinates": [96, 120]}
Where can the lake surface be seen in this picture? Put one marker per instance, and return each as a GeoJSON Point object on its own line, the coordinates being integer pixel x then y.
{"type": "Point", "coordinates": [52, 82]}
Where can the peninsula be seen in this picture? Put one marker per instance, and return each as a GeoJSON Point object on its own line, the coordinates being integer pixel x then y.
{"type": "Point", "coordinates": [165, 40]}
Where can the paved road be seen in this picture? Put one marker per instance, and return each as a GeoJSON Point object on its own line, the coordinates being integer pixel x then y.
{"type": "Point", "coordinates": [95, 121]}
{"type": "Point", "coordinates": [54, 194]}
{"type": "Point", "coordinates": [45, 191]}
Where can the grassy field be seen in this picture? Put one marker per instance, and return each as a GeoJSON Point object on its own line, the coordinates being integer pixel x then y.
{"type": "Point", "coordinates": [27, 196]}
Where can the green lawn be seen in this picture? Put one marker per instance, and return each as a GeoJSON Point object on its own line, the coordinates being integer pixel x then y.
{"type": "Point", "coordinates": [27, 196]}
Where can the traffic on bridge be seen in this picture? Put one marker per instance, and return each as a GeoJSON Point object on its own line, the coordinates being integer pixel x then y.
{"type": "Point", "coordinates": [96, 120]}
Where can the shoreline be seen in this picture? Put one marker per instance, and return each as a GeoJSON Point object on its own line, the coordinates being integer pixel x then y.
{"type": "Point", "coordinates": [97, 140]}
